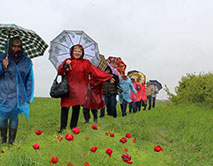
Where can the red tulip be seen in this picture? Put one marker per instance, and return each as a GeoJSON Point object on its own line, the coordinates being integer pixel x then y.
{"type": "Point", "coordinates": [123, 140]}
{"type": "Point", "coordinates": [38, 132]}
{"type": "Point", "coordinates": [112, 135]}
{"type": "Point", "coordinates": [126, 158]}
{"type": "Point", "coordinates": [94, 126]}
{"type": "Point", "coordinates": [126, 149]}
{"type": "Point", "coordinates": [86, 164]}
{"type": "Point", "coordinates": [128, 135]}
{"type": "Point", "coordinates": [54, 159]}
{"type": "Point", "coordinates": [36, 146]}
{"type": "Point", "coordinates": [69, 137]}
{"type": "Point", "coordinates": [69, 164]}
{"type": "Point", "coordinates": [60, 138]}
{"type": "Point", "coordinates": [134, 139]}
{"type": "Point", "coordinates": [19, 147]}
{"type": "Point", "coordinates": [109, 151]}
{"type": "Point", "coordinates": [2, 151]}
{"type": "Point", "coordinates": [86, 138]}
{"type": "Point", "coordinates": [93, 149]}
{"type": "Point", "coordinates": [76, 130]}
{"type": "Point", "coordinates": [158, 148]}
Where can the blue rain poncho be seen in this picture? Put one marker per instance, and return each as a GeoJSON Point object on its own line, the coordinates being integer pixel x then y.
{"type": "Point", "coordinates": [16, 88]}
{"type": "Point", "coordinates": [127, 87]}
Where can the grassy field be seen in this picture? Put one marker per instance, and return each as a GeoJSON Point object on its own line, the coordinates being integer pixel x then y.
{"type": "Point", "coordinates": [185, 132]}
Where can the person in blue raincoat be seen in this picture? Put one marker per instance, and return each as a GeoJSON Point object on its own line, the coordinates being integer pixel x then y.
{"type": "Point", "coordinates": [124, 97]}
{"type": "Point", "coordinates": [16, 88]}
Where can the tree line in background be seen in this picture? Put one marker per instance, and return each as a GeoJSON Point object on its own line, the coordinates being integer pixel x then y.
{"type": "Point", "coordinates": [193, 89]}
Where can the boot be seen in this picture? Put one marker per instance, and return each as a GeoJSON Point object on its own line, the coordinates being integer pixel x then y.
{"type": "Point", "coordinates": [12, 135]}
{"type": "Point", "coordinates": [3, 135]}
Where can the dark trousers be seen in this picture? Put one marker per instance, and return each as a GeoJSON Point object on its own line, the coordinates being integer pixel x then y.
{"type": "Point", "coordinates": [143, 103]}
{"type": "Point", "coordinates": [149, 99]}
{"type": "Point", "coordinates": [110, 102]}
{"type": "Point", "coordinates": [153, 100]}
{"type": "Point", "coordinates": [123, 107]}
{"type": "Point", "coordinates": [74, 117]}
{"type": "Point", "coordinates": [133, 106]}
{"type": "Point", "coordinates": [138, 105]}
{"type": "Point", "coordinates": [86, 112]}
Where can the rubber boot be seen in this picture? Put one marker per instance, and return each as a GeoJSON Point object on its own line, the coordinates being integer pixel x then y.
{"type": "Point", "coordinates": [12, 135]}
{"type": "Point", "coordinates": [3, 135]}
{"type": "Point", "coordinates": [86, 117]}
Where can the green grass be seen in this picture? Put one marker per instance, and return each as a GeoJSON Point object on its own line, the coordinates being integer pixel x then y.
{"type": "Point", "coordinates": [185, 132]}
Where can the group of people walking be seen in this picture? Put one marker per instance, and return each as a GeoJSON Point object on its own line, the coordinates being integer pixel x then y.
{"type": "Point", "coordinates": [89, 88]}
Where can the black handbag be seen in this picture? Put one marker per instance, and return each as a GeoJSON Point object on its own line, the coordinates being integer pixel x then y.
{"type": "Point", "coordinates": [60, 89]}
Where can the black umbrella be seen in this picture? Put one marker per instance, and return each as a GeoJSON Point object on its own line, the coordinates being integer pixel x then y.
{"type": "Point", "coordinates": [156, 83]}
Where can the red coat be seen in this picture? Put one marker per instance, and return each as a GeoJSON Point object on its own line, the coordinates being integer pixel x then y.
{"type": "Point", "coordinates": [144, 96]}
{"type": "Point", "coordinates": [78, 78]}
{"type": "Point", "coordinates": [94, 99]}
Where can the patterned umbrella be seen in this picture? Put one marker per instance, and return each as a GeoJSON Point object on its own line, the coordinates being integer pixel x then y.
{"type": "Point", "coordinates": [60, 47]}
{"type": "Point", "coordinates": [103, 63]}
{"type": "Point", "coordinates": [157, 84]}
{"type": "Point", "coordinates": [33, 44]}
{"type": "Point", "coordinates": [140, 77]}
{"type": "Point", "coordinates": [118, 64]}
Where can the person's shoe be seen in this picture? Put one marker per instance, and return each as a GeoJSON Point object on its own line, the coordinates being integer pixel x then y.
{"type": "Point", "coordinates": [96, 120]}
{"type": "Point", "coordinates": [85, 122]}
{"type": "Point", "coordinates": [61, 130]}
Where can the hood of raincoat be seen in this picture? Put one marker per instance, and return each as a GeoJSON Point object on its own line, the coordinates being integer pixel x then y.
{"type": "Point", "coordinates": [71, 51]}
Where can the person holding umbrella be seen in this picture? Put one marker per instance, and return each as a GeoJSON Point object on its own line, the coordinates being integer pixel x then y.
{"type": "Point", "coordinates": [78, 71]}
{"type": "Point", "coordinates": [16, 87]}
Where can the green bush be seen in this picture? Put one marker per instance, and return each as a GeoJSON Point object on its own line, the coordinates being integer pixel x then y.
{"type": "Point", "coordinates": [194, 89]}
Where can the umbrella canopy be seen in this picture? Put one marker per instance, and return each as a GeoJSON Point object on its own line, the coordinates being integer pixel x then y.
{"type": "Point", "coordinates": [103, 63]}
{"type": "Point", "coordinates": [60, 47]}
{"type": "Point", "coordinates": [32, 43]}
{"type": "Point", "coordinates": [156, 83]}
{"type": "Point", "coordinates": [140, 77]}
{"type": "Point", "coordinates": [118, 64]}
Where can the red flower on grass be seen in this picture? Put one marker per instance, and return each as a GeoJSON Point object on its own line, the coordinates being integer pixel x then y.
{"type": "Point", "coordinates": [36, 146]}
{"type": "Point", "coordinates": [54, 159]}
{"type": "Point", "coordinates": [69, 164]}
{"type": "Point", "coordinates": [112, 135]}
{"type": "Point", "coordinates": [69, 137]}
{"type": "Point", "coordinates": [93, 149]}
{"type": "Point", "coordinates": [18, 147]}
{"type": "Point", "coordinates": [86, 164]}
{"type": "Point", "coordinates": [75, 130]}
{"type": "Point", "coordinates": [38, 132]}
{"type": "Point", "coordinates": [126, 149]}
{"type": "Point", "coordinates": [134, 139]}
{"type": "Point", "coordinates": [128, 135]}
{"type": "Point", "coordinates": [123, 140]}
{"type": "Point", "coordinates": [158, 148]}
{"type": "Point", "coordinates": [60, 138]}
{"type": "Point", "coordinates": [86, 138]}
{"type": "Point", "coordinates": [109, 151]}
{"type": "Point", "coordinates": [2, 151]}
{"type": "Point", "coordinates": [107, 133]}
{"type": "Point", "coordinates": [126, 158]}
{"type": "Point", "coordinates": [94, 126]}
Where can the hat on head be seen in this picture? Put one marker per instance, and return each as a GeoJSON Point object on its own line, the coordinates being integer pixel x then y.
{"type": "Point", "coordinates": [133, 78]}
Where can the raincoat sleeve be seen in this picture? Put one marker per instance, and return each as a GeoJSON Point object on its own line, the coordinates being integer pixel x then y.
{"type": "Point", "coordinates": [98, 74]}
{"type": "Point", "coordinates": [132, 88]}
{"type": "Point", "coordinates": [29, 85]}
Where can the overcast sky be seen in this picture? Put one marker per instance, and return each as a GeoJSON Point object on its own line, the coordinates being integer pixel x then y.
{"type": "Point", "coordinates": [164, 39]}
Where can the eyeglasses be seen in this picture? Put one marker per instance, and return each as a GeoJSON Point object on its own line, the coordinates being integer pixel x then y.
{"type": "Point", "coordinates": [18, 46]}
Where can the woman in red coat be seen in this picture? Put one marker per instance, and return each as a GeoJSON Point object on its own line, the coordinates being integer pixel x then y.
{"type": "Point", "coordinates": [78, 71]}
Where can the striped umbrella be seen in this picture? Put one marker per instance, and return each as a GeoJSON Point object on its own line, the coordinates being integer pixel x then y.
{"type": "Point", "coordinates": [33, 44]}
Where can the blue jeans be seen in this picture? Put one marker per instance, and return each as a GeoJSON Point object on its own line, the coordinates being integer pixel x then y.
{"type": "Point", "coordinates": [13, 123]}
{"type": "Point", "coordinates": [110, 102]}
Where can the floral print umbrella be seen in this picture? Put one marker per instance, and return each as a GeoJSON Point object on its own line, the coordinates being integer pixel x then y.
{"type": "Point", "coordinates": [118, 64]}
{"type": "Point", "coordinates": [140, 77]}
